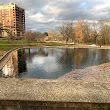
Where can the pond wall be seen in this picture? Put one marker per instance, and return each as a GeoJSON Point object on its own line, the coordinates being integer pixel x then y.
{"type": "Point", "coordinates": [4, 59]}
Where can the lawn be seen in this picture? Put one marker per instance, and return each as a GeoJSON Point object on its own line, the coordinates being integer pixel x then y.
{"type": "Point", "coordinates": [6, 45]}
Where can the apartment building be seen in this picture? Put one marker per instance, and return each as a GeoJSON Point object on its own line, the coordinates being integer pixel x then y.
{"type": "Point", "coordinates": [12, 20]}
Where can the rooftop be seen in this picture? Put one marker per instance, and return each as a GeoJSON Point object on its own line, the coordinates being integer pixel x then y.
{"type": "Point", "coordinates": [11, 4]}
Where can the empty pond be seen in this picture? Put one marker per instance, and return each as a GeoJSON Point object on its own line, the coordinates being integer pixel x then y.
{"type": "Point", "coordinates": [51, 63]}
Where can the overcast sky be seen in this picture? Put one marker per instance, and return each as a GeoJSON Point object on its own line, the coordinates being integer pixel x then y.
{"type": "Point", "coordinates": [43, 15]}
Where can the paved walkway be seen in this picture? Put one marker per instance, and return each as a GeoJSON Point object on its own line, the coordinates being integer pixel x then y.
{"type": "Point", "coordinates": [54, 90]}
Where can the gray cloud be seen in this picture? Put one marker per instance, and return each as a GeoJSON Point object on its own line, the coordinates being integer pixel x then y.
{"type": "Point", "coordinates": [42, 15]}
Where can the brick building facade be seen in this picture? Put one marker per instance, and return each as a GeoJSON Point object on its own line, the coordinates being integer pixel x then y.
{"type": "Point", "coordinates": [12, 20]}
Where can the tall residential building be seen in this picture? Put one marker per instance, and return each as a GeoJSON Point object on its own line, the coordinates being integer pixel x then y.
{"type": "Point", "coordinates": [12, 20]}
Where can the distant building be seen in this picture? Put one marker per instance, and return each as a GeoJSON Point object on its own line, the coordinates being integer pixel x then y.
{"type": "Point", "coordinates": [12, 20]}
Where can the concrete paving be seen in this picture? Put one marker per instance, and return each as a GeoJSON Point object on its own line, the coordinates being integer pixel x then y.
{"type": "Point", "coordinates": [54, 90]}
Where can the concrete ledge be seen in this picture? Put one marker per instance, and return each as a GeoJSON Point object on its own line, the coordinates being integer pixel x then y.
{"type": "Point", "coordinates": [54, 90]}
{"type": "Point", "coordinates": [6, 57]}
{"type": "Point", "coordinates": [47, 105]}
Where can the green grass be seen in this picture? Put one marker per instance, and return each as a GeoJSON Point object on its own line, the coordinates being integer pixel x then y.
{"type": "Point", "coordinates": [6, 45]}
{"type": "Point", "coordinates": [54, 44]}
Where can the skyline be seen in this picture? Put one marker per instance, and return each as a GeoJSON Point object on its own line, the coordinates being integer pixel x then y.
{"type": "Point", "coordinates": [43, 15]}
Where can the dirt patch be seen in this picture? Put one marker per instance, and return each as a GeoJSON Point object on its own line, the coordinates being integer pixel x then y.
{"type": "Point", "coordinates": [93, 73]}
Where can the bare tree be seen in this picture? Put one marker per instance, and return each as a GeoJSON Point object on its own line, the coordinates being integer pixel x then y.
{"type": "Point", "coordinates": [53, 35]}
{"type": "Point", "coordinates": [32, 36]}
{"type": "Point", "coordinates": [38, 36]}
{"type": "Point", "coordinates": [95, 31]}
{"type": "Point", "coordinates": [28, 36]}
{"type": "Point", "coordinates": [66, 29]}
{"type": "Point", "coordinates": [104, 32]}
{"type": "Point", "coordinates": [86, 29]}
